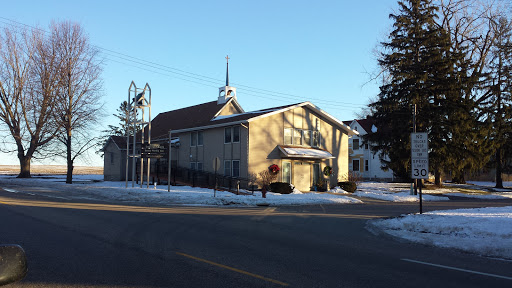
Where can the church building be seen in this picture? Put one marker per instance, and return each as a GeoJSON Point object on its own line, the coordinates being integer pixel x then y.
{"type": "Point", "coordinates": [300, 138]}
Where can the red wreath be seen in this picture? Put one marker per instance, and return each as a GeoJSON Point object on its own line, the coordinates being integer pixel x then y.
{"type": "Point", "coordinates": [274, 169]}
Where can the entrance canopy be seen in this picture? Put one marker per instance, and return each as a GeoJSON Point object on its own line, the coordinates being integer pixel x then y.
{"type": "Point", "coordinates": [302, 152]}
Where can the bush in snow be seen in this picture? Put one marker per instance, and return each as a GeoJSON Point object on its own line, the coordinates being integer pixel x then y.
{"type": "Point", "coordinates": [281, 187]}
{"type": "Point", "coordinates": [348, 186]}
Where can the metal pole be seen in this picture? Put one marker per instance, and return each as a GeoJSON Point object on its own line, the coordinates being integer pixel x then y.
{"type": "Point", "coordinates": [215, 189]}
{"type": "Point", "coordinates": [134, 159]}
{"type": "Point", "coordinates": [169, 168]}
{"type": "Point", "coordinates": [421, 204]}
{"type": "Point", "coordinates": [414, 130]}
{"type": "Point", "coordinates": [127, 140]}
{"type": "Point", "coordinates": [142, 147]}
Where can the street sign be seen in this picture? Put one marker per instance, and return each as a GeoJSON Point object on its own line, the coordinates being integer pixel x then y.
{"type": "Point", "coordinates": [419, 156]}
{"type": "Point", "coordinates": [216, 164]}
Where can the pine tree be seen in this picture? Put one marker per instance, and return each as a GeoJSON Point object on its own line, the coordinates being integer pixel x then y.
{"type": "Point", "coordinates": [418, 61]}
{"type": "Point", "coordinates": [122, 129]}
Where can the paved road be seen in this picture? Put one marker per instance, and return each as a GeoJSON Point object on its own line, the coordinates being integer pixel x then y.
{"type": "Point", "coordinates": [99, 244]}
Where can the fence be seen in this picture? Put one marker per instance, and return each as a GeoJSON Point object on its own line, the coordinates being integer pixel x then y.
{"type": "Point", "coordinates": [196, 178]}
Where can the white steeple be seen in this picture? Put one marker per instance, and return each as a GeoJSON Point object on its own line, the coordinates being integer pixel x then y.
{"type": "Point", "coordinates": [227, 91]}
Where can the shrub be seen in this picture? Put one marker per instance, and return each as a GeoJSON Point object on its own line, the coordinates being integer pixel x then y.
{"type": "Point", "coordinates": [348, 186]}
{"type": "Point", "coordinates": [281, 187]}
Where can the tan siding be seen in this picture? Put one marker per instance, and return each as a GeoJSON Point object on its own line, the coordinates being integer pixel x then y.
{"type": "Point", "coordinates": [267, 133]}
{"type": "Point", "coordinates": [229, 109]}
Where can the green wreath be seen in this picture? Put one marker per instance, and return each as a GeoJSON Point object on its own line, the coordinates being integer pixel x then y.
{"type": "Point", "coordinates": [327, 170]}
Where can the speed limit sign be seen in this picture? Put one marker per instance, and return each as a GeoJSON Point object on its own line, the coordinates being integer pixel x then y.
{"type": "Point", "coordinates": [419, 155]}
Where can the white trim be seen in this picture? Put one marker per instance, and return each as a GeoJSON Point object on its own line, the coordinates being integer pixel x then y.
{"type": "Point", "coordinates": [236, 104]}
{"type": "Point", "coordinates": [337, 123]}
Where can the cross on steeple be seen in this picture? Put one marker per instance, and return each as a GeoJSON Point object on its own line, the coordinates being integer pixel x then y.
{"type": "Point", "coordinates": [227, 58]}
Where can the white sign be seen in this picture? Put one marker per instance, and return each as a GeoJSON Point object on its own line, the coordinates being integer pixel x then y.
{"type": "Point", "coordinates": [419, 155]}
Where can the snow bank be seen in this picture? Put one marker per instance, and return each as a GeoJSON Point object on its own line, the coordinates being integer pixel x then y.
{"type": "Point", "coordinates": [485, 231]}
{"type": "Point", "coordinates": [91, 188]}
{"type": "Point", "coordinates": [395, 192]}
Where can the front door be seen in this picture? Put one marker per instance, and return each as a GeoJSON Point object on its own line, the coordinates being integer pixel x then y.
{"type": "Point", "coordinates": [302, 176]}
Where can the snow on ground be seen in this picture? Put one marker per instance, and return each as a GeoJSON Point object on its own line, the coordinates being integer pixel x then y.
{"type": "Point", "coordinates": [485, 231]}
{"type": "Point", "coordinates": [89, 187]}
{"type": "Point", "coordinates": [400, 192]}
{"type": "Point", "coordinates": [395, 192]}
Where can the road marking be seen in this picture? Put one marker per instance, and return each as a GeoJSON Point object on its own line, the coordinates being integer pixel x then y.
{"type": "Point", "coordinates": [265, 213]}
{"type": "Point", "coordinates": [233, 269]}
{"type": "Point", "coordinates": [458, 269]}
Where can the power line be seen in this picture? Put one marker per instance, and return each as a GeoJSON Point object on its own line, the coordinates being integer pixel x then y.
{"type": "Point", "coordinates": [197, 78]}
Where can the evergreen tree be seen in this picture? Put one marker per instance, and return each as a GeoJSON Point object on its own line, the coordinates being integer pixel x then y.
{"type": "Point", "coordinates": [417, 58]}
{"type": "Point", "coordinates": [122, 129]}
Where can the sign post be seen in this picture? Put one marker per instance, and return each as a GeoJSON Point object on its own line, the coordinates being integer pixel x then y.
{"type": "Point", "coordinates": [419, 159]}
{"type": "Point", "coordinates": [216, 166]}
{"type": "Point", "coordinates": [169, 165]}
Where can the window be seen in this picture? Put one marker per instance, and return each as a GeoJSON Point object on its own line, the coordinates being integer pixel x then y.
{"type": "Point", "coordinates": [236, 134]}
{"type": "Point", "coordinates": [236, 168]}
{"type": "Point", "coordinates": [227, 135]}
{"type": "Point", "coordinates": [227, 168]}
{"type": "Point", "coordinates": [193, 166]}
{"type": "Point", "coordinates": [199, 166]}
{"type": "Point", "coordinates": [288, 136]}
{"type": "Point", "coordinates": [355, 144]}
{"type": "Point", "coordinates": [317, 124]}
{"type": "Point", "coordinates": [366, 146]}
{"type": "Point", "coordinates": [316, 172]}
{"type": "Point", "coordinates": [297, 137]}
{"type": "Point", "coordinates": [111, 157]}
{"type": "Point", "coordinates": [287, 172]}
{"type": "Point", "coordinates": [200, 138]}
{"type": "Point", "coordinates": [355, 165]}
{"type": "Point", "coordinates": [307, 137]}
{"type": "Point", "coordinates": [193, 139]}
{"type": "Point", "coordinates": [365, 165]}
{"type": "Point", "coordinates": [316, 138]}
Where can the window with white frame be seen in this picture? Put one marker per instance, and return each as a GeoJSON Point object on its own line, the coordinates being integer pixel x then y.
{"type": "Point", "coordinates": [193, 139]}
{"type": "Point", "coordinates": [297, 137]}
{"type": "Point", "coordinates": [355, 144]}
{"type": "Point", "coordinates": [366, 165]}
{"type": "Point", "coordinates": [200, 138]}
{"type": "Point", "coordinates": [355, 165]}
{"type": "Point", "coordinates": [227, 135]}
{"type": "Point", "coordinates": [316, 138]}
{"type": "Point", "coordinates": [236, 168]}
{"type": "Point", "coordinates": [227, 168]}
{"type": "Point", "coordinates": [196, 166]}
{"type": "Point", "coordinates": [288, 138]}
{"type": "Point", "coordinates": [236, 134]}
{"type": "Point", "coordinates": [307, 137]}
{"type": "Point", "coordinates": [287, 172]}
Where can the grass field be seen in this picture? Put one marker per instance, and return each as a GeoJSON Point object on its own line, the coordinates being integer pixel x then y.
{"type": "Point", "coordinates": [51, 169]}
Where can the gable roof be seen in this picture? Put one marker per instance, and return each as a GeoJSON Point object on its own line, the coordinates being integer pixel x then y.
{"type": "Point", "coordinates": [367, 124]}
{"type": "Point", "coordinates": [247, 117]}
{"type": "Point", "coordinates": [119, 141]}
{"type": "Point", "coordinates": [188, 117]}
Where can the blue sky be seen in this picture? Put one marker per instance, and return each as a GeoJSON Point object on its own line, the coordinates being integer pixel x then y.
{"type": "Point", "coordinates": [281, 52]}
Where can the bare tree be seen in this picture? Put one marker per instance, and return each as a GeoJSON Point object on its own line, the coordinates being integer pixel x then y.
{"type": "Point", "coordinates": [78, 100]}
{"type": "Point", "coordinates": [28, 82]}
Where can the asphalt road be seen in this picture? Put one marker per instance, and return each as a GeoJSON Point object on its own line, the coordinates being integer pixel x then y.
{"type": "Point", "coordinates": [99, 244]}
